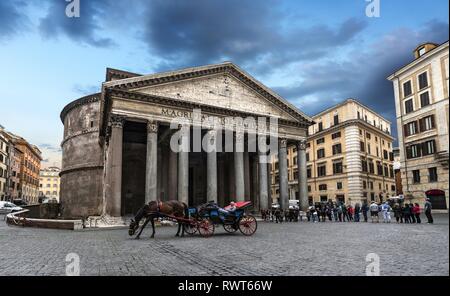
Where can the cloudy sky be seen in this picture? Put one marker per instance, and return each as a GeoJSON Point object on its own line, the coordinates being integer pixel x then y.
{"type": "Point", "coordinates": [313, 53]}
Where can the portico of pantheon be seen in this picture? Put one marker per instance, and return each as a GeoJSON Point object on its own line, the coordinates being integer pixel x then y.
{"type": "Point", "coordinates": [118, 145]}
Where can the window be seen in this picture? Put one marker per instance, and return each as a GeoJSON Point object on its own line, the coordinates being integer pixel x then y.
{"type": "Point", "coordinates": [372, 196]}
{"type": "Point", "coordinates": [385, 154]}
{"type": "Point", "coordinates": [391, 171]}
{"type": "Point", "coordinates": [320, 153]}
{"type": "Point", "coordinates": [422, 51]}
{"type": "Point", "coordinates": [368, 136]}
{"type": "Point", "coordinates": [364, 165]}
{"type": "Point", "coordinates": [391, 156]}
{"type": "Point", "coordinates": [432, 175]}
{"type": "Point", "coordinates": [368, 148]}
{"type": "Point", "coordinates": [308, 145]}
{"type": "Point", "coordinates": [393, 188]}
{"type": "Point", "coordinates": [416, 176]}
{"type": "Point", "coordinates": [425, 99]}
{"type": "Point", "coordinates": [359, 115]}
{"type": "Point", "coordinates": [364, 184]}
{"type": "Point", "coordinates": [360, 132]}
{"type": "Point", "coordinates": [339, 185]}
{"type": "Point", "coordinates": [336, 119]}
{"type": "Point", "coordinates": [371, 167]}
{"type": "Point", "coordinates": [362, 147]}
{"type": "Point", "coordinates": [426, 123]}
{"type": "Point", "coordinates": [320, 126]}
{"type": "Point", "coordinates": [320, 141]}
{"type": "Point", "coordinates": [378, 152]}
{"type": "Point", "coordinates": [336, 135]}
{"type": "Point", "coordinates": [323, 198]}
{"type": "Point", "coordinates": [309, 188]}
{"type": "Point", "coordinates": [409, 106]}
{"type": "Point", "coordinates": [337, 167]}
{"type": "Point", "coordinates": [321, 170]}
{"type": "Point", "coordinates": [308, 172]}
{"type": "Point", "coordinates": [323, 187]}
{"type": "Point", "coordinates": [414, 151]}
{"type": "Point", "coordinates": [423, 80]}
{"type": "Point", "coordinates": [371, 185]}
{"type": "Point", "coordinates": [337, 149]}
{"type": "Point", "coordinates": [379, 169]}
{"type": "Point", "coordinates": [340, 198]}
{"type": "Point", "coordinates": [376, 139]}
{"type": "Point", "coordinates": [407, 90]}
{"type": "Point", "coordinates": [428, 147]}
{"type": "Point", "coordinates": [307, 156]}
{"type": "Point", "coordinates": [386, 171]}
{"type": "Point", "coordinates": [410, 128]}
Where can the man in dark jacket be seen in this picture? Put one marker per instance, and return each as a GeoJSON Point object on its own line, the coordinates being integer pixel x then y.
{"type": "Point", "coordinates": [365, 209]}
{"type": "Point", "coordinates": [427, 209]}
{"type": "Point", "coordinates": [357, 210]}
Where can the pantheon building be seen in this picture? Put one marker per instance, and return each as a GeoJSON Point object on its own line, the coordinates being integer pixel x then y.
{"type": "Point", "coordinates": [137, 141]}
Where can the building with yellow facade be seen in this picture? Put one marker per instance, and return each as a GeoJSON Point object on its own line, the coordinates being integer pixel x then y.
{"type": "Point", "coordinates": [422, 109]}
{"type": "Point", "coordinates": [49, 183]}
{"type": "Point", "coordinates": [349, 157]}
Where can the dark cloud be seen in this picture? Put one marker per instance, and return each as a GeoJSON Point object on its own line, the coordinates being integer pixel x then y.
{"type": "Point", "coordinates": [81, 29]}
{"type": "Point", "coordinates": [12, 18]}
{"type": "Point", "coordinates": [363, 74]}
{"type": "Point", "coordinates": [250, 33]}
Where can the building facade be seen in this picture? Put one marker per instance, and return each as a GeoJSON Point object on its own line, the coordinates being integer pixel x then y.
{"type": "Point", "coordinates": [422, 109]}
{"type": "Point", "coordinates": [119, 152]}
{"type": "Point", "coordinates": [14, 187]}
{"type": "Point", "coordinates": [30, 165]}
{"type": "Point", "coordinates": [349, 157]}
{"type": "Point", "coordinates": [49, 183]}
{"type": "Point", "coordinates": [4, 165]}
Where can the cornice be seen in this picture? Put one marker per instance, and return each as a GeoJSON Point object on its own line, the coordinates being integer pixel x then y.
{"type": "Point", "coordinates": [87, 166]}
{"type": "Point", "coordinates": [170, 102]}
{"type": "Point", "coordinates": [83, 132]}
{"type": "Point", "coordinates": [227, 68]}
{"type": "Point", "coordinates": [346, 123]}
{"type": "Point", "coordinates": [119, 74]}
{"type": "Point", "coordinates": [79, 102]}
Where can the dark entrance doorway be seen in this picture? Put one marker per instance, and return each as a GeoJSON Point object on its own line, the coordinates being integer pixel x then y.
{"type": "Point", "coordinates": [437, 199]}
{"type": "Point", "coordinates": [133, 167]}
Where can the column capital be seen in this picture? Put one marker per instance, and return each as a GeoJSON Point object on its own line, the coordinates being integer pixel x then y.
{"type": "Point", "coordinates": [301, 145]}
{"type": "Point", "coordinates": [283, 142]}
{"type": "Point", "coordinates": [117, 120]}
{"type": "Point", "coordinates": [152, 126]}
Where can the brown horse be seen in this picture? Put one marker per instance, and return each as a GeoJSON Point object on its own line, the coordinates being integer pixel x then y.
{"type": "Point", "coordinates": [156, 209]}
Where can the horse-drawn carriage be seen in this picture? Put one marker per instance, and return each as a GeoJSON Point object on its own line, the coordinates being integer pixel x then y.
{"type": "Point", "coordinates": [209, 215]}
{"type": "Point", "coordinates": [200, 219]}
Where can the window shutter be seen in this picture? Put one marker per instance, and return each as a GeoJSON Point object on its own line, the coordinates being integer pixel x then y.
{"type": "Point", "coordinates": [432, 121]}
{"type": "Point", "coordinates": [405, 130]}
{"type": "Point", "coordinates": [421, 125]}
{"type": "Point", "coordinates": [408, 152]}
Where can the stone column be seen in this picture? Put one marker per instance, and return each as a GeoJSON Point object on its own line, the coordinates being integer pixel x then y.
{"type": "Point", "coordinates": [263, 181]}
{"type": "Point", "coordinates": [183, 164]}
{"type": "Point", "coordinates": [211, 164]}
{"type": "Point", "coordinates": [247, 181]}
{"type": "Point", "coordinates": [239, 167]}
{"type": "Point", "coordinates": [113, 182]}
{"type": "Point", "coordinates": [151, 170]}
{"type": "Point", "coordinates": [283, 171]}
{"type": "Point", "coordinates": [173, 175]}
{"type": "Point", "coordinates": [302, 177]}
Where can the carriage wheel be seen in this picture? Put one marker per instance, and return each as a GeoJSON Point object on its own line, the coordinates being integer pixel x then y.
{"type": "Point", "coordinates": [248, 225]}
{"type": "Point", "coordinates": [205, 227]}
{"type": "Point", "coordinates": [190, 228]}
{"type": "Point", "coordinates": [229, 228]}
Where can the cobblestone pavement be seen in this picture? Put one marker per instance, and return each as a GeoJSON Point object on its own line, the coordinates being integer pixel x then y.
{"type": "Point", "coordinates": [276, 249]}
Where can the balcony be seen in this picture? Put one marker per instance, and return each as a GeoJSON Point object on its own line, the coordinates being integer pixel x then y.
{"type": "Point", "coordinates": [442, 158]}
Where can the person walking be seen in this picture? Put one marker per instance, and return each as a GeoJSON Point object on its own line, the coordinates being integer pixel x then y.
{"type": "Point", "coordinates": [397, 213]}
{"type": "Point", "coordinates": [345, 213]}
{"type": "Point", "coordinates": [412, 216]}
{"type": "Point", "coordinates": [335, 213]}
{"type": "Point", "coordinates": [340, 212]}
{"type": "Point", "coordinates": [365, 209]}
{"type": "Point", "coordinates": [357, 211]}
{"type": "Point", "coordinates": [350, 212]}
{"type": "Point", "coordinates": [386, 209]}
{"type": "Point", "coordinates": [416, 213]}
{"type": "Point", "coordinates": [428, 209]}
{"type": "Point", "coordinates": [407, 213]}
{"type": "Point", "coordinates": [374, 211]}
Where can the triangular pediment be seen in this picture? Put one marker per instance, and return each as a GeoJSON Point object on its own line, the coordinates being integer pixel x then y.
{"type": "Point", "coordinates": [223, 85]}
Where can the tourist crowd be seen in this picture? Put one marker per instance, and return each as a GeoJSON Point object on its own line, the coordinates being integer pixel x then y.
{"type": "Point", "coordinates": [340, 212]}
